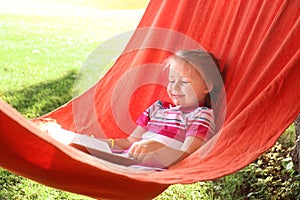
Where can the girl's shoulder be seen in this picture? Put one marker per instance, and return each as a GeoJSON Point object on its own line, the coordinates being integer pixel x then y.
{"type": "Point", "coordinates": [202, 112]}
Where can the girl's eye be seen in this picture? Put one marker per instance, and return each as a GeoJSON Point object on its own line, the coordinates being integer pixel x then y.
{"type": "Point", "coordinates": [185, 81]}
{"type": "Point", "coordinates": [171, 81]}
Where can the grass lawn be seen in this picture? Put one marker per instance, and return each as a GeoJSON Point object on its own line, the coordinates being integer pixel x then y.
{"type": "Point", "coordinates": [40, 49]}
{"type": "Point", "coordinates": [43, 45]}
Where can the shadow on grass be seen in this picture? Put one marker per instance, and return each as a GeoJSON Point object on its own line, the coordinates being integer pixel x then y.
{"type": "Point", "coordinates": [40, 99]}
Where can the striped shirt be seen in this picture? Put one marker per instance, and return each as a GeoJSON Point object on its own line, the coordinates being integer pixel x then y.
{"type": "Point", "coordinates": [165, 121]}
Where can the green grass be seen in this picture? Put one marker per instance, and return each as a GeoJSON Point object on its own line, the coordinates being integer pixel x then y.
{"type": "Point", "coordinates": [18, 188]}
{"type": "Point", "coordinates": [39, 63]}
{"type": "Point", "coordinates": [37, 52]}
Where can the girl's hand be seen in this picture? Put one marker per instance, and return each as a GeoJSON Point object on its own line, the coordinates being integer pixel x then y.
{"type": "Point", "coordinates": [140, 149]}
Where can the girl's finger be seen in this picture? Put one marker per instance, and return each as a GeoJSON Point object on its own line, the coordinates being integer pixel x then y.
{"type": "Point", "coordinates": [134, 150]}
{"type": "Point", "coordinates": [141, 152]}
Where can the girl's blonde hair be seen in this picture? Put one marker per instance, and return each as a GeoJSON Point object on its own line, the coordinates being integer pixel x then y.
{"type": "Point", "coordinates": [207, 66]}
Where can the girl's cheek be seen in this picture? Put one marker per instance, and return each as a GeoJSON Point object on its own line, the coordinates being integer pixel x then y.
{"type": "Point", "coordinates": [170, 86]}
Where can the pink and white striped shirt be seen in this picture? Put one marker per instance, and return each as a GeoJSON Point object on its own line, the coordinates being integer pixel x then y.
{"type": "Point", "coordinates": [167, 123]}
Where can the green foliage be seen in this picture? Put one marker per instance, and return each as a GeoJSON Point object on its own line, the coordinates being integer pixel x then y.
{"type": "Point", "coordinates": [19, 188]}
{"type": "Point", "coordinates": [201, 190]}
{"type": "Point", "coordinates": [9, 183]}
{"type": "Point", "coordinates": [270, 177]}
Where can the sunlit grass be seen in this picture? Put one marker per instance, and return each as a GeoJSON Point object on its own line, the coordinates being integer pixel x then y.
{"type": "Point", "coordinates": [47, 47]}
{"type": "Point", "coordinates": [111, 4]}
{"type": "Point", "coordinates": [43, 49]}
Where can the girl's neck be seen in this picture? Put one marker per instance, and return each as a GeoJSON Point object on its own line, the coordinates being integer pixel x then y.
{"type": "Point", "coordinates": [192, 107]}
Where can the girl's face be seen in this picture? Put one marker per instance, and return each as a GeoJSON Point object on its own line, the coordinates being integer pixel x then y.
{"type": "Point", "coordinates": [186, 86]}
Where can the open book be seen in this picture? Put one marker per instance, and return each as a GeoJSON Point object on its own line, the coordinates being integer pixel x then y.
{"type": "Point", "coordinates": [90, 145]}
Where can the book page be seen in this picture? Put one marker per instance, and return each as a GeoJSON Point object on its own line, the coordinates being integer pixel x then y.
{"type": "Point", "coordinates": [90, 145]}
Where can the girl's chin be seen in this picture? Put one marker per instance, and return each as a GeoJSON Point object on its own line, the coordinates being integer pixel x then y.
{"type": "Point", "coordinates": [185, 105]}
{"type": "Point", "coordinates": [176, 102]}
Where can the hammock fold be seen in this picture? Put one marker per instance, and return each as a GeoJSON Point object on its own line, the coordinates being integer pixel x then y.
{"type": "Point", "coordinates": [257, 43]}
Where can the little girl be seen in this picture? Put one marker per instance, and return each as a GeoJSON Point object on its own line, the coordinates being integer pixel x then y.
{"type": "Point", "coordinates": [168, 132]}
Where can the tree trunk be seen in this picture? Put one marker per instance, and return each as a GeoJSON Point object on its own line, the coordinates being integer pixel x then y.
{"type": "Point", "coordinates": [296, 151]}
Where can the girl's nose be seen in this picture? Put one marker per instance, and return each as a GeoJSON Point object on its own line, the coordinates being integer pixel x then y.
{"type": "Point", "coordinates": [176, 86]}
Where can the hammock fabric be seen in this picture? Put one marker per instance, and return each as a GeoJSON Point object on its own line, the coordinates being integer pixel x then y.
{"type": "Point", "coordinates": [257, 43]}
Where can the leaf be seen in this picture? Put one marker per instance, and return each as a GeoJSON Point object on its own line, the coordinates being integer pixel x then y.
{"type": "Point", "coordinates": [289, 166]}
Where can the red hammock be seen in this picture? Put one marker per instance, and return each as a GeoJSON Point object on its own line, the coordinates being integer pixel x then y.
{"type": "Point", "coordinates": [258, 45]}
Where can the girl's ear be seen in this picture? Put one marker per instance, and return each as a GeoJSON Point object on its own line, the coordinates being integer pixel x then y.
{"type": "Point", "coordinates": [209, 87]}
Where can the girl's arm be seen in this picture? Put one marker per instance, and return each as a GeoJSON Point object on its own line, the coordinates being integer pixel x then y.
{"type": "Point", "coordinates": [170, 156]}
{"type": "Point", "coordinates": [125, 143]}
{"type": "Point", "coordinates": [149, 149]}
{"type": "Point", "coordinates": [191, 144]}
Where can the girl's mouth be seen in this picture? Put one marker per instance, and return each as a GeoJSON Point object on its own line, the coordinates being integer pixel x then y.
{"type": "Point", "coordinates": [177, 95]}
